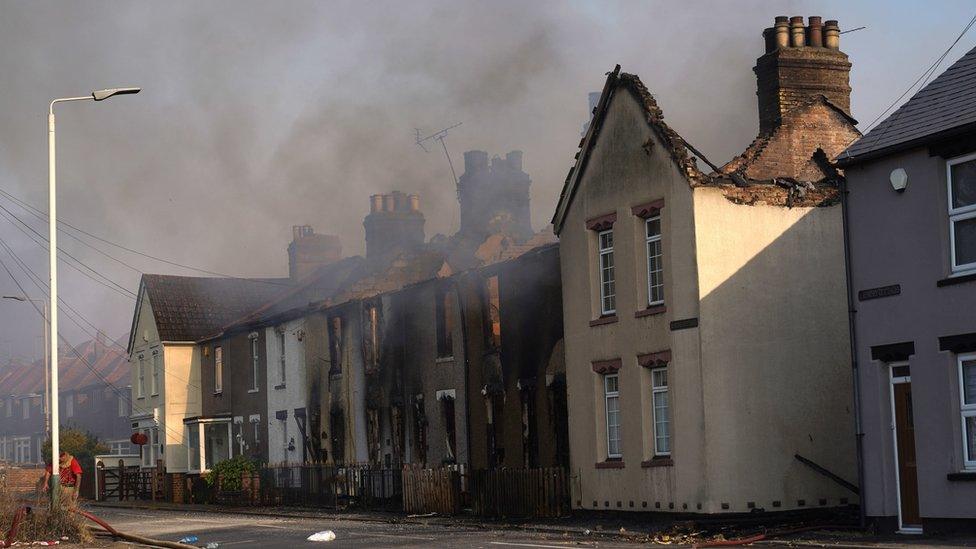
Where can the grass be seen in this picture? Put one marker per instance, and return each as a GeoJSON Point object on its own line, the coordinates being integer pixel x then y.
{"type": "Point", "coordinates": [42, 523]}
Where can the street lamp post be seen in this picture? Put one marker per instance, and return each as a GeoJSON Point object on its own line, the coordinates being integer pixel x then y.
{"type": "Point", "coordinates": [97, 95]}
{"type": "Point", "coordinates": [47, 387]}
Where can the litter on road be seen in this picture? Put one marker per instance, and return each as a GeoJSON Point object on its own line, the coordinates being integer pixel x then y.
{"type": "Point", "coordinates": [325, 535]}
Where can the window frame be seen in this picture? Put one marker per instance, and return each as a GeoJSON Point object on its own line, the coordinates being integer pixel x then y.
{"type": "Point", "coordinates": [966, 410]}
{"type": "Point", "coordinates": [611, 281]}
{"type": "Point", "coordinates": [69, 405]}
{"type": "Point", "coordinates": [255, 374]}
{"type": "Point", "coordinates": [154, 379]}
{"type": "Point", "coordinates": [955, 215]}
{"type": "Point", "coordinates": [648, 241]}
{"type": "Point", "coordinates": [141, 377]}
{"type": "Point", "coordinates": [607, 395]}
{"type": "Point", "coordinates": [25, 408]}
{"type": "Point", "coordinates": [218, 352]}
{"type": "Point", "coordinates": [280, 338]}
{"type": "Point", "coordinates": [655, 391]}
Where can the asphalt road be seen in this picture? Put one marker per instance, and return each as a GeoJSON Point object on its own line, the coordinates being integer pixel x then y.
{"type": "Point", "coordinates": [239, 531]}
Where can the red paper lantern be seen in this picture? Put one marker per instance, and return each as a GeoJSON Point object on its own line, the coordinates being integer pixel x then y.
{"type": "Point", "coordinates": [139, 439]}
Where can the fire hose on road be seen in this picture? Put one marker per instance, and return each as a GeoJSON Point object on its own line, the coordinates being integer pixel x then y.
{"type": "Point", "coordinates": [23, 511]}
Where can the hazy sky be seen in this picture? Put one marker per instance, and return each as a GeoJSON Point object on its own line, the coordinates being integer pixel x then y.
{"type": "Point", "coordinates": [255, 116]}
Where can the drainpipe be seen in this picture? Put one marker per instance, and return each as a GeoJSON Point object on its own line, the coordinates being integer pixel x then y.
{"type": "Point", "coordinates": [851, 314]}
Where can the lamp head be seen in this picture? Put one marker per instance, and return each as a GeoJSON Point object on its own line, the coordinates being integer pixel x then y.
{"type": "Point", "coordinates": [101, 95]}
{"type": "Point", "coordinates": [17, 297]}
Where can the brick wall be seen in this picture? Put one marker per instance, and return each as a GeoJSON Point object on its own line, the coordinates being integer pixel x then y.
{"type": "Point", "coordinates": [20, 481]}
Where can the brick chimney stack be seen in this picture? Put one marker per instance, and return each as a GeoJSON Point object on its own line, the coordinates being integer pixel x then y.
{"type": "Point", "coordinates": [395, 223]}
{"type": "Point", "coordinates": [800, 63]}
{"type": "Point", "coordinates": [494, 197]}
{"type": "Point", "coordinates": [308, 251]}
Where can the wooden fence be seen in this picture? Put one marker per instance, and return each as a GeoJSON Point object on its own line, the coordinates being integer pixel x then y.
{"type": "Point", "coordinates": [520, 493]}
{"type": "Point", "coordinates": [431, 491]}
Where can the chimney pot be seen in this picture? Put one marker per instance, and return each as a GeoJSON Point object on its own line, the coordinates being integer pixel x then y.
{"type": "Point", "coordinates": [832, 35]}
{"type": "Point", "coordinates": [388, 203]}
{"type": "Point", "coordinates": [296, 232]}
{"type": "Point", "coordinates": [375, 203]}
{"type": "Point", "coordinates": [797, 32]}
{"type": "Point", "coordinates": [414, 203]}
{"type": "Point", "coordinates": [782, 31]}
{"type": "Point", "coordinates": [475, 161]}
{"type": "Point", "coordinates": [514, 159]}
{"type": "Point", "coordinates": [816, 32]}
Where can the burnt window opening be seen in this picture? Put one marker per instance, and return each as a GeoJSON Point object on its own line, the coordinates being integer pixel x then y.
{"type": "Point", "coordinates": [335, 347]}
{"type": "Point", "coordinates": [420, 429]}
{"type": "Point", "coordinates": [450, 429]}
{"type": "Point", "coordinates": [396, 435]}
{"type": "Point", "coordinates": [337, 426]}
{"type": "Point", "coordinates": [495, 408]}
{"type": "Point", "coordinates": [444, 320]}
{"type": "Point", "coordinates": [371, 343]}
{"type": "Point", "coordinates": [530, 434]}
{"type": "Point", "coordinates": [494, 320]}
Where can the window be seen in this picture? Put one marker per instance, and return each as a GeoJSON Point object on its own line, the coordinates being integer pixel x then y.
{"type": "Point", "coordinates": [283, 426]}
{"type": "Point", "coordinates": [216, 442]}
{"type": "Point", "coordinates": [69, 405]}
{"type": "Point", "coordinates": [256, 428]}
{"type": "Point", "coordinates": [494, 313]}
{"type": "Point", "coordinates": [141, 381]}
{"type": "Point", "coordinates": [25, 407]}
{"type": "Point", "coordinates": [149, 449]}
{"type": "Point", "coordinates": [335, 347]}
{"type": "Point", "coordinates": [10, 407]}
{"type": "Point", "coordinates": [611, 394]}
{"type": "Point", "coordinates": [22, 450]}
{"type": "Point", "coordinates": [661, 412]}
{"type": "Point", "coordinates": [962, 213]}
{"type": "Point", "coordinates": [967, 382]}
{"type": "Point", "coordinates": [119, 447]}
{"type": "Point", "coordinates": [608, 293]}
{"type": "Point", "coordinates": [154, 382]}
{"type": "Point", "coordinates": [281, 355]}
{"type": "Point", "coordinates": [444, 312]}
{"type": "Point", "coordinates": [193, 446]}
{"type": "Point", "coordinates": [254, 362]}
{"type": "Point", "coordinates": [372, 341]}
{"type": "Point", "coordinates": [123, 405]}
{"type": "Point", "coordinates": [218, 369]}
{"type": "Point", "coordinates": [655, 261]}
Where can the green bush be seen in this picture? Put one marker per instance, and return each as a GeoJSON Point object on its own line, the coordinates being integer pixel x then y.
{"type": "Point", "coordinates": [230, 472]}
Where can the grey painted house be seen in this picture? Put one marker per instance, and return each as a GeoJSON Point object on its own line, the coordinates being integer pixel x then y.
{"type": "Point", "coordinates": [912, 233]}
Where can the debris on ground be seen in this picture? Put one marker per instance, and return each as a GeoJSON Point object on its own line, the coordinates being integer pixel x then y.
{"type": "Point", "coordinates": [423, 515]}
{"type": "Point", "coordinates": [325, 535]}
{"type": "Point", "coordinates": [189, 539]}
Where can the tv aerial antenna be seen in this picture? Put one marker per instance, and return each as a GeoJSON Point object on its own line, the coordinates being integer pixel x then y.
{"type": "Point", "coordinates": [439, 135]}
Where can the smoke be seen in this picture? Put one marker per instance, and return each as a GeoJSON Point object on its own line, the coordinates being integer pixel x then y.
{"type": "Point", "coordinates": [256, 116]}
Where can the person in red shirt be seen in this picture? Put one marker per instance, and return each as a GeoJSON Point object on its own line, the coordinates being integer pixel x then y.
{"type": "Point", "coordinates": [70, 476]}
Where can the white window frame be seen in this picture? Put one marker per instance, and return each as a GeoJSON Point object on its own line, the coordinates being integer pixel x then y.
{"type": "Point", "coordinates": [123, 405]}
{"type": "Point", "coordinates": [966, 410]}
{"type": "Point", "coordinates": [22, 450]}
{"type": "Point", "coordinates": [608, 280]}
{"type": "Point", "coordinates": [154, 380]}
{"type": "Point", "coordinates": [281, 357]}
{"type": "Point", "coordinates": [657, 390]}
{"type": "Point", "coordinates": [255, 420]}
{"type": "Point", "coordinates": [25, 408]}
{"type": "Point", "coordinates": [218, 369]}
{"type": "Point", "coordinates": [254, 362]}
{"type": "Point", "coordinates": [201, 428]}
{"type": "Point", "coordinates": [10, 406]}
{"type": "Point", "coordinates": [649, 241]}
{"type": "Point", "coordinates": [958, 214]}
{"type": "Point", "coordinates": [284, 434]}
{"type": "Point", "coordinates": [607, 396]}
{"type": "Point", "coordinates": [69, 405]}
{"type": "Point", "coordinates": [140, 378]}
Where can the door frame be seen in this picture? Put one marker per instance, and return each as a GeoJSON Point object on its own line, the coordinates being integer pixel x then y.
{"type": "Point", "coordinates": [898, 380]}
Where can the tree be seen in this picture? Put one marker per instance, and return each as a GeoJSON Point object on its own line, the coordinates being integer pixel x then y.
{"type": "Point", "coordinates": [81, 444]}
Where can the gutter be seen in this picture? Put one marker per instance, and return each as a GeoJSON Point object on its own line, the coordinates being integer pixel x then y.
{"type": "Point", "coordinates": [852, 331]}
